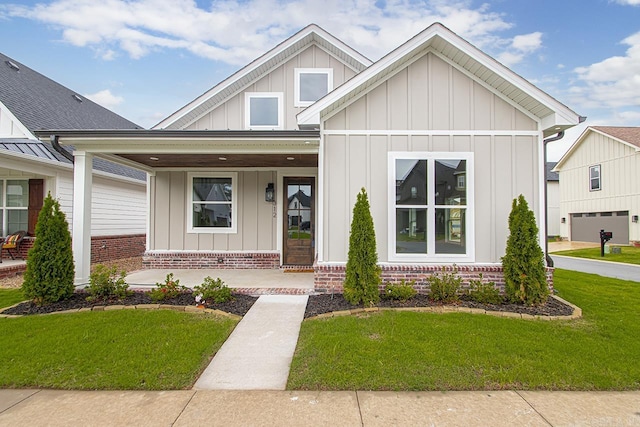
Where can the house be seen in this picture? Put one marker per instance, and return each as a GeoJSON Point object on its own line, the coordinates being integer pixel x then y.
{"type": "Point", "coordinates": [553, 200]}
{"type": "Point", "coordinates": [442, 136]}
{"type": "Point", "coordinates": [600, 185]}
{"type": "Point", "coordinates": [30, 168]}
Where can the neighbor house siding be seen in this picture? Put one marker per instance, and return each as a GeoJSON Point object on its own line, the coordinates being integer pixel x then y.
{"type": "Point", "coordinates": [553, 208]}
{"type": "Point", "coordinates": [230, 115]}
{"type": "Point", "coordinates": [619, 177]}
{"type": "Point", "coordinates": [429, 106]}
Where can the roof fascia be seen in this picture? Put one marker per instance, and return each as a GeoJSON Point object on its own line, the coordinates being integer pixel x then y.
{"type": "Point", "coordinates": [309, 30]}
{"type": "Point", "coordinates": [311, 116]}
{"type": "Point", "coordinates": [28, 134]}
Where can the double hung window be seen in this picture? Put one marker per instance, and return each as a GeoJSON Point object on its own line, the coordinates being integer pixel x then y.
{"type": "Point", "coordinates": [14, 205]}
{"type": "Point", "coordinates": [594, 178]}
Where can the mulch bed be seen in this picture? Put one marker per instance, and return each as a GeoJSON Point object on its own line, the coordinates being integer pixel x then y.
{"type": "Point", "coordinates": [317, 304]}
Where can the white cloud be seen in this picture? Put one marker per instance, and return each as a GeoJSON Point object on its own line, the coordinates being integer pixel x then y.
{"type": "Point", "coordinates": [612, 83]}
{"type": "Point", "coordinates": [105, 98]}
{"type": "Point", "coordinates": [237, 32]}
{"type": "Point", "coordinates": [628, 2]}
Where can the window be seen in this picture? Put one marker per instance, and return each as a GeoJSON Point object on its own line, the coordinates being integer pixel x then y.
{"type": "Point", "coordinates": [312, 84]}
{"type": "Point", "coordinates": [432, 213]}
{"type": "Point", "coordinates": [14, 205]}
{"type": "Point", "coordinates": [263, 110]}
{"type": "Point", "coordinates": [594, 178]}
{"type": "Point", "coordinates": [213, 203]}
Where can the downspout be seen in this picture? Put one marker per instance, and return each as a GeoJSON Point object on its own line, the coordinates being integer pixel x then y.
{"type": "Point", "coordinates": [558, 137]}
{"type": "Point", "coordinates": [56, 146]}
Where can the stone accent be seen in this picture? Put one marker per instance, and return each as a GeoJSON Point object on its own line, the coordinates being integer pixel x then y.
{"type": "Point", "coordinates": [211, 260]}
{"type": "Point", "coordinates": [330, 278]}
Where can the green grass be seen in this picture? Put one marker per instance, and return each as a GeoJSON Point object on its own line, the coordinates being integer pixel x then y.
{"type": "Point", "coordinates": [127, 349]}
{"type": "Point", "coordinates": [458, 351]}
{"type": "Point", "coordinates": [629, 254]}
{"type": "Point", "coordinates": [9, 297]}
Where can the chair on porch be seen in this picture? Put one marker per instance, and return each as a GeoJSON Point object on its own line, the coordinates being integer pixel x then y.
{"type": "Point", "coordinates": [12, 243]}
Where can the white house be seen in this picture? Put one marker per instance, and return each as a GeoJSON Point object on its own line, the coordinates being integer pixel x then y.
{"type": "Point", "coordinates": [600, 185]}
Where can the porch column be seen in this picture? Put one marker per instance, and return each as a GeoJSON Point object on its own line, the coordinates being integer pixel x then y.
{"type": "Point", "coordinates": [81, 239]}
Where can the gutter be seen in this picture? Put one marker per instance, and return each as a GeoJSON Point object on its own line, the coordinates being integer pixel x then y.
{"type": "Point", "coordinates": [56, 146]}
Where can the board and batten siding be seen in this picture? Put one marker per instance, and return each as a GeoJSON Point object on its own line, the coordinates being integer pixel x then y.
{"type": "Point", "coordinates": [230, 115]}
{"type": "Point", "coordinates": [619, 178]}
{"type": "Point", "coordinates": [170, 194]}
{"type": "Point", "coordinates": [9, 128]}
{"type": "Point", "coordinates": [428, 95]}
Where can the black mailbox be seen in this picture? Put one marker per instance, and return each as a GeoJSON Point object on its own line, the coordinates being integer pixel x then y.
{"type": "Point", "coordinates": [605, 236]}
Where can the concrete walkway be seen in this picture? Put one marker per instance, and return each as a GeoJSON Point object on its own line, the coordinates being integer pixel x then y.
{"type": "Point", "coordinates": [258, 354]}
{"type": "Point", "coordinates": [317, 408]}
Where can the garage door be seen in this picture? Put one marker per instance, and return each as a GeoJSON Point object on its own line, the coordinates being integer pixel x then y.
{"type": "Point", "coordinates": [585, 227]}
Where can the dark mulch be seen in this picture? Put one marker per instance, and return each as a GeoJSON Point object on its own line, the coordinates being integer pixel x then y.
{"type": "Point", "coordinates": [319, 304]}
{"type": "Point", "coordinates": [239, 305]}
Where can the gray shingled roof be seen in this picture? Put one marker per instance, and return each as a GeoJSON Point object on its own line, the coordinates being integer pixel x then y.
{"type": "Point", "coordinates": [41, 103]}
{"type": "Point", "coordinates": [552, 176]}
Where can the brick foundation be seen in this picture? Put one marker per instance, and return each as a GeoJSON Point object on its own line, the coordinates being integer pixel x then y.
{"type": "Point", "coordinates": [211, 260]}
{"type": "Point", "coordinates": [330, 278]}
{"type": "Point", "coordinates": [103, 248]}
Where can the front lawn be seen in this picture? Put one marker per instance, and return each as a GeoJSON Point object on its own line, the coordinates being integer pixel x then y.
{"type": "Point", "coordinates": [9, 297]}
{"type": "Point", "coordinates": [629, 254]}
{"type": "Point", "coordinates": [125, 350]}
{"type": "Point", "coordinates": [458, 351]}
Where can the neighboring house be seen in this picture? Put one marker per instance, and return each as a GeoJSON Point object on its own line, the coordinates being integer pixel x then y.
{"type": "Point", "coordinates": [600, 185]}
{"type": "Point", "coordinates": [442, 136]}
{"type": "Point", "coordinates": [30, 168]}
{"type": "Point", "coordinates": [553, 200]}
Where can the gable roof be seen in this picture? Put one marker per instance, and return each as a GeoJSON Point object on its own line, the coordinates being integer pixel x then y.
{"type": "Point", "coordinates": [41, 103]}
{"type": "Point", "coordinates": [312, 34]}
{"type": "Point", "coordinates": [551, 175]}
{"type": "Point", "coordinates": [475, 63]}
{"type": "Point", "coordinates": [629, 136]}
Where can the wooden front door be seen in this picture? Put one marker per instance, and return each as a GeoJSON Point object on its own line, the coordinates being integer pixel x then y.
{"type": "Point", "coordinates": [299, 217]}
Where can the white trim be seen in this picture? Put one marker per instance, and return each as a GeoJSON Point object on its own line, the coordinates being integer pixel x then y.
{"type": "Point", "coordinates": [599, 166]}
{"type": "Point", "coordinates": [17, 123]}
{"type": "Point", "coordinates": [148, 215]}
{"type": "Point", "coordinates": [234, 203]}
{"type": "Point", "coordinates": [4, 209]}
{"type": "Point", "coordinates": [320, 199]}
{"type": "Point", "coordinates": [431, 256]}
{"type": "Point", "coordinates": [296, 83]}
{"type": "Point", "coordinates": [247, 110]}
{"type": "Point", "coordinates": [434, 132]}
{"type": "Point", "coordinates": [81, 216]}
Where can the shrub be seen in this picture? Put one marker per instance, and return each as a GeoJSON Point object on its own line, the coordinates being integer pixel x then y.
{"type": "Point", "coordinates": [484, 293]}
{"type": "Point", "coordinates": [213, 290]}
{"type": "Point", "coordinates": [362, 275]}
{"type": "Point", "coordinates": [50, 271]}
{"type": "Point", "coordinates": [445, 287]}
{"type": "Point", "coordinates": [171, 288]}
{"type": "Point", "coordinates": [523, 262]}
{"type": "Point", "coordinates": [105, 283]}
{"type": "Point", "coordinates": [400, 292]}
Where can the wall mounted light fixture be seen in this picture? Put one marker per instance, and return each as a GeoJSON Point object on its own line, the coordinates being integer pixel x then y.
{"type": "Point", "coordinates": [269, 193]}
{"type": "Point", "coordinates": [563, 220]}
{"type": "Point", "coordinates": [634, 218]}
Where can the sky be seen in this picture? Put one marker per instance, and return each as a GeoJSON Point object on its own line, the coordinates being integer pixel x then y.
{"type": "Point", "coordinates": [145, 59]}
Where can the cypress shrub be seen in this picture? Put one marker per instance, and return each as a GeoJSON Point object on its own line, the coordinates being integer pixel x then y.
{"type": "Point", "coordinates": [362, 275]}
{"type": "Point", "coordinates": [50, 271]}
{"type": "Point", "coordinates": [523, 262]}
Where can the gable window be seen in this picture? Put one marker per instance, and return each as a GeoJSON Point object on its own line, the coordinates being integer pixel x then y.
{"type": "Point", "coordinates": [594, 178]}
{"type": "Point", "coordinates": [311, 84]}
{"type": "Point", "coordinates": [263, 110]}
{"type": "Point", "coordinates": [212, 208]}
{"type": "Point", "coordinates": [432, 210]}
{"type": "Point", "coordinates": [14, 205]}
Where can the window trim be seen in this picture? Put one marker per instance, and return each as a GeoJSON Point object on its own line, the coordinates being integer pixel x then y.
{"type": "Point", "coordinates": [4, 225]}
{"type": "Point", "coordinates": [296, 86]}
{"type": "Point", "coordinates": [247, 109]}
{"type": "Point", "coordinates": [594, 167]}
{"type": "Point", "coordinates": [431, 256]}
{"type": "Point", "coordinates": [234, 203]}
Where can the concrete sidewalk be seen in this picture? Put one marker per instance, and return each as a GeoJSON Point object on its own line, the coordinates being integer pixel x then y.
{"type": "Point", "coordinates": [317, 408]}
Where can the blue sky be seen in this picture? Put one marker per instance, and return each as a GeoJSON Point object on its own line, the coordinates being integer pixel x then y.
{"type": "Point", "coordinates": [144, 59]}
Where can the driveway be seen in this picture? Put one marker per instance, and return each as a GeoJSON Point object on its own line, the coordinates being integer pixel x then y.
{"type": "Point", "coordinates": [603, 268]}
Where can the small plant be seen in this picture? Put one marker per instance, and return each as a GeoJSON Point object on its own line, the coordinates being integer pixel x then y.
{"type": "Point", "coordinates": [105, 283]}
{"type": "Point", "coordinates": [212, 290]}
{"type": "Point", "coordinates": [400, 291]}
{"type": "Point", "coordinates": [484, 293]}
{"type": "Point", "coordinates": [444, 288]}
{"type": "Point", "coordinates": [171, 288]}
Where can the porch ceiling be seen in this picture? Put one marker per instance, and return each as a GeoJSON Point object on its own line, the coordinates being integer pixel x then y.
{"type": "Point", "coordinates": [232, 160]}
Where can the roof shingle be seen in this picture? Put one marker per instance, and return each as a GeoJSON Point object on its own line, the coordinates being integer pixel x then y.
{"type": "Point", "coordinates": [627, 134]}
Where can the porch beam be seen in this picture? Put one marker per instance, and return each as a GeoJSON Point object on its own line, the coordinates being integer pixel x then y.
{"type": "Point", "coordinates": [81, 239]}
